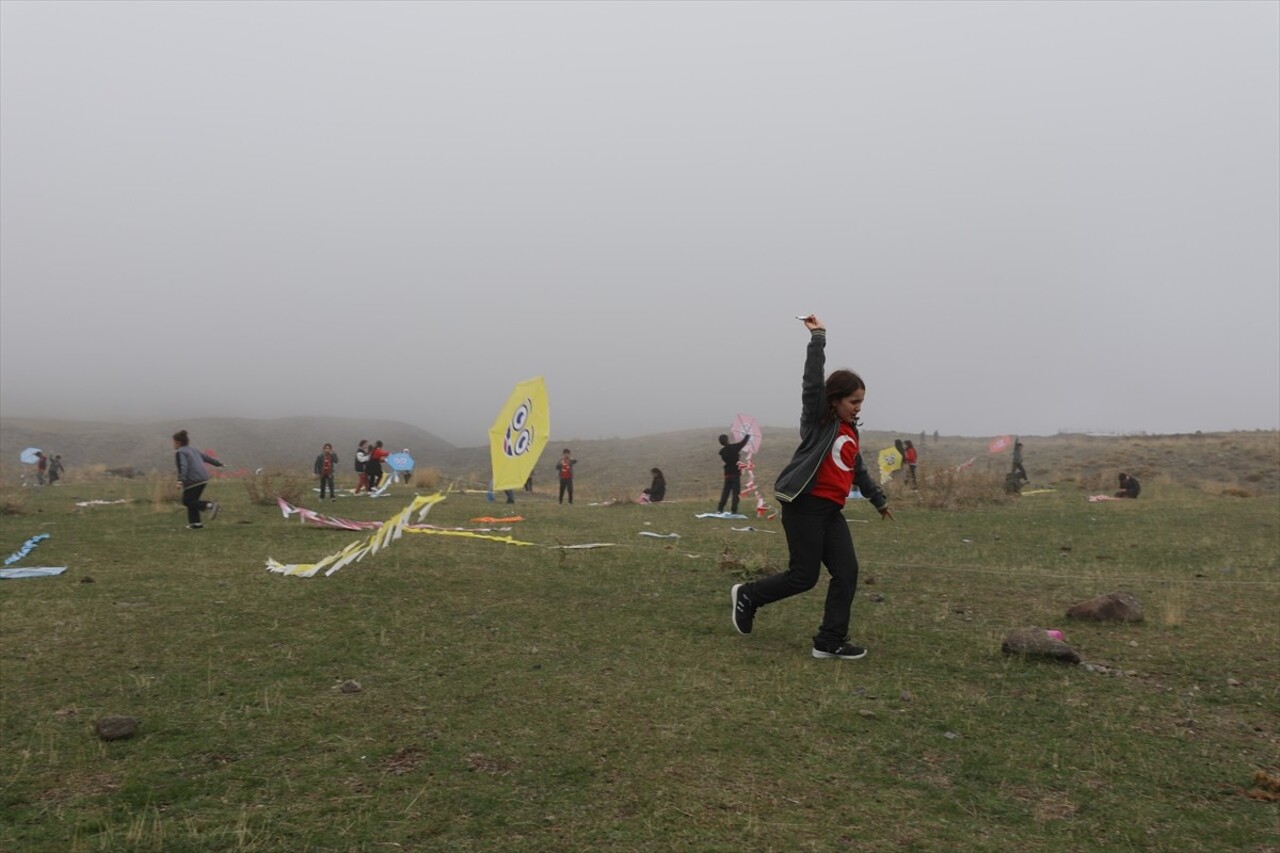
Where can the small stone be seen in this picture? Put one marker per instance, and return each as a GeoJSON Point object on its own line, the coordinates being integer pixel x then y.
{"type": "Point", "coordinates": [950, 735]}
{"type": "Point", "coordinates": [865, 712]}
{"type": "Point", "coordinates": [116, 727]}
{"type": "Point", "coordinates": [1112, 607]}
{"type": "Point", "coordinates": [350, 686]}
{"type": "Point", "coordinates": [906, 696]}
{"type": "Point", "coordinates": [1234, 682]}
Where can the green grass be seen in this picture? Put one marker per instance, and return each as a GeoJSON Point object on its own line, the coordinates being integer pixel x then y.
{"type": "Point", "coordinates": [539, 699]}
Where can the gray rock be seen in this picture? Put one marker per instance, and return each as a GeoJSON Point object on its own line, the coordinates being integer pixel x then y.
{"type": "Point", "coordinates": [117, 727]}
{"type": "Point", "coordinates": [1112, 607]}
{"type": "Point", "coordinates": [1036, 642]}
{"type": "Point", "coordinates": [350, 686]}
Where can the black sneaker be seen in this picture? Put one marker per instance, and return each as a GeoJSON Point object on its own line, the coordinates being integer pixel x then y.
{"type": "Point", "coordinates": [213, 510]}
{"type": "Point", "coordinates": [844, 651]}
{"type": "Point", "coordinates": [744, 612]}
{"type": "Point", "coordinates": [195, 527]}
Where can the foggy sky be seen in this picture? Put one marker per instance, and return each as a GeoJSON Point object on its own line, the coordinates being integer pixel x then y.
{"type": "Point", "coordinates": [1013, 218]}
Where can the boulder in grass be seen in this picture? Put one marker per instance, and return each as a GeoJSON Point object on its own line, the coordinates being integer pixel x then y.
{"type": "Point", "coordinates": [116, 727]}
{"type": "Point", "coordinates": [1037, 643]}
{"type": "Point", "coordinates": [1112, 607]}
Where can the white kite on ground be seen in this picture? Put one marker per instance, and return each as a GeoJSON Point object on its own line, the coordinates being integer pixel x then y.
{"type": "Point", "coordinates": [33, 572]}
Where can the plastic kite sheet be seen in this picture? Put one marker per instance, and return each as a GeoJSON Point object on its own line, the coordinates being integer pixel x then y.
{"type": "Point", "coordinates": [27, 548]}
{"type": "Point", "coordinates": [401, 461]}
{"type": "Point", "coordinates": [382, 487]}
{"type": "Point", "coordinates": [999, 443]}
{"type": "Point", "coordinates": [890, 460]}
{"type": "Point", "coordinates": [746, 425]}
{"type": "Point", "coordinates": [719, 515]}
{"type": "Point", "coordinates": [30, 456]}
{"type": "Point", "coordinates": [469, 534]}
{"type": "Point", "coordinates": [389, 531]}
{"type": "Point", "coordinates": [519, 434]}
{"type": "Point", "coordinates": [33, 572]}
{"type": "Point", "coordinates": [315, 519]}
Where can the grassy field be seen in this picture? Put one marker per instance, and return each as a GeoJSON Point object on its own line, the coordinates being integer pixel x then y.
{"type": "Point", "coordinates": [538, 698]}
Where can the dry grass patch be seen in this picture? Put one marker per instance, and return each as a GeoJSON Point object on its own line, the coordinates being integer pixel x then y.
{"type": "Point", "coordinates": [263, 489]}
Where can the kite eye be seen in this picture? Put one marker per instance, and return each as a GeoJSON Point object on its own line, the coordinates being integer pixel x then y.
{"type": "Point", "coordinates": [521, 416]}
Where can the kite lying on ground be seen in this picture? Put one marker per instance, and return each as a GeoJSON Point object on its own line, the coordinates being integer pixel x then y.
{"type": "Point", "coordinates": [1096, 498]}
{"type": "Point", "coordinates": [386, 533]}
{"type": "Point", "coordinates": [653, 535]}
{"type": "Point", "coordinates": [317, 519]}
{"type": "Point", "coordinates": [27, 548]}
{"type": "Point", "coordinates": [102, 503]}
{"type": "Point", "coordinates": [34, 572]}
{"type": "Point", "coordinates": [719, 515]}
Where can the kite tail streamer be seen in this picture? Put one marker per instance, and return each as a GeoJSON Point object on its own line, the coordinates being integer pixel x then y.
{"type": "Point", "coordinates": [386, 533]}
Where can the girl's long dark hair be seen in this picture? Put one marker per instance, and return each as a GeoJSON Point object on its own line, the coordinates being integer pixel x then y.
{"type": "Point", "coordinates": [840, 384]}
{"type": "Point", "coordinates": [181, 437]}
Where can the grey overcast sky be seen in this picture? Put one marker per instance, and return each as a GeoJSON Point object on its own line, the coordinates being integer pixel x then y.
{"type": "Point", "coordinates": [1013, 217]}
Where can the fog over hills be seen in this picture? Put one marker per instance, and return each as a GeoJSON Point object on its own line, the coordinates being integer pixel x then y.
{"type": "Point", "coordinates": [239, 442]}
{"type": "Point", "coordinates": [619, 467]}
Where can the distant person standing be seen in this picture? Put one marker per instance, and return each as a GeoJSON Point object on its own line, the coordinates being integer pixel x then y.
{"type": "Point", "coordinates": [732, 488]}
{"type": "Point", "coordinates": [374, 466]}
{"type": "Point", "coordinates": [326, 464]}
{"type": "Point", "coordinates": [1129, 486]}
{"type": "Point", "coordinates": [910, 457]}
{"type": "Point", "coordinates": [192, 478]}
{"type": "Point", "coordinates": [42, 467]}
{"type": "Point", "coordinates": [55, 469]}
{"type": "Point", "coordinates": [362, 466]}
{"type": "Point", "coordinates": [1017, 463]}
{"type": "Point", "coordinates": [564, 469]}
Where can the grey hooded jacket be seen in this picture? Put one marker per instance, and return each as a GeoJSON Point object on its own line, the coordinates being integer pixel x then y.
{"type": "Point", "coordinates": [816, 437]}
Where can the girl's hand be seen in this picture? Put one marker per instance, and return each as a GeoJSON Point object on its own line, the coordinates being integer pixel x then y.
{"type": "Point", "coordinates": [886, 514]}
{"type": "Point", "coordinates": [812, 323]}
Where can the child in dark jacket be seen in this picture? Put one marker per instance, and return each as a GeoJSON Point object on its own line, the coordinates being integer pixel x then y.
{"type": "Point", "coordinates": [812, 489]}
{"type": "Point", "coordinates": [657, 489]}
